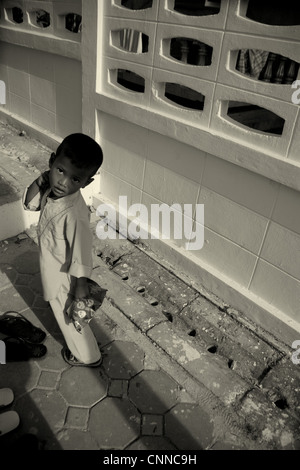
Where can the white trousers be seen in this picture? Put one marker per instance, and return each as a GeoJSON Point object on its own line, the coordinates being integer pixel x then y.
{"type": "Point", "coordinates": [82, 345]}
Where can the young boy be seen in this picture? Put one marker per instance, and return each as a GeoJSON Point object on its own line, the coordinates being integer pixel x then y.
{"type": "Point", "coordinates": [65, 239]}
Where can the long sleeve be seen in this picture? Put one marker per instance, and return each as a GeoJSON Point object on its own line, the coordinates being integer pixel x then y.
{"type": "Point", "coordinates": [79, 238]}
{"type": "Point", "coordinates": [34, 204]}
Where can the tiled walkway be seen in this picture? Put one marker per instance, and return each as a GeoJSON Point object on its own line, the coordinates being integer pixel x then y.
{"type": "Point", "coordinates": [129, 402]}
{"type": "Point", "coordinates": [180, 371]}
{"type": "Point", "coordinates": [156, 389]}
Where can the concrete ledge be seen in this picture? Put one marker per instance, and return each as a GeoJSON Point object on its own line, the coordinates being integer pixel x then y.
{"type": "Point", "coordinates": [214, 375]}
{"type": "Point", "coordinates": [281, 329]}
{"type": "Point", "coordinates": [212, 372]}
{"type": "Point", "coordinates": [32, 130]}
{"type": "Point", "coordinates": [42, 42]}
{"type": "Point", "coordinates": [268, 164]}
{"type": "Point", "coordinates": [207, 280]}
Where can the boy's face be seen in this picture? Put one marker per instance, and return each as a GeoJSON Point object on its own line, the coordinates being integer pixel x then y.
{"type": "Point", "coordinates": [66, 178]}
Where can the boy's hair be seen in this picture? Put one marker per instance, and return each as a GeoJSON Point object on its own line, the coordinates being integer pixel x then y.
{"type": "Point", "coordinates": [83, 151]}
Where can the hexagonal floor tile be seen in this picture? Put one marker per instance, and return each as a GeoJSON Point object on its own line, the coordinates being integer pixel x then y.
{"type": "Point", "coordinates": [23, 279]}
{"type": "Point", "coordinates": [153, 391]}
{"type": "Point", "coordinates": [83, 386]}
{"type": "Point", "coordinates": [28, 262]}
{"type": "Point", "coordinates": [74, 439]}
{"type": "Point", "coordinates": [77, 417]}
{"type": "Point", "coordinates": [19, 376]}
{"type": "Point", "coordinates": [189, 427]}
{"type": "Point", "coordinates": [42, 412]}
{"type": "Point", "coordinates": [8, 275]}
{"type": "Point", "coordinates": [48, 380]}
{"type": "Point", "coordinates": [36, 284]}
{"type": "Point", "coordinates": [16, 299]}
{"type": "Point", "coordinates": [152, 425]}
{"type": "Point", "coordinates": [114, 423]}
{"type": "Point", "coordinates": [122, 359]}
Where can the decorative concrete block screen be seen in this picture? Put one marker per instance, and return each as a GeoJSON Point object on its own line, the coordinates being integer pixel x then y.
{"type": "Point", "coordinates": [222, 67]}
{"type": "Point", "coordinates": [53, 17]}
{"type": "Point", "coordinates": [40, 63]}
{"type": "Point", "coordinates": [198, 102]}
{"type": "Point", "coordinates": [193, 101]}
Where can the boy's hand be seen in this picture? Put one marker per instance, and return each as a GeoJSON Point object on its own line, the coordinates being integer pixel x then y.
{"type": "Point", "coordinates": [38, 186]}
{"type": "Point", "coordinates": [89, 297]}
{"type": "Point", "coordinates": [81, 312]}
{"type": "Point", "coordinates": [43, 180]}
{"type": "Point", "coordinates": [82, 288]}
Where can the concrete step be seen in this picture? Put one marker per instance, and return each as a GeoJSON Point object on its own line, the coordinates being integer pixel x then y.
{"type": "Point", "coordinates": [231, 365]}
{"type": "Point", "coordinates": [240, 372]}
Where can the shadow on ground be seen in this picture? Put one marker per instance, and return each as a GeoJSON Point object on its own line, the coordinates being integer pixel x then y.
{"type": "Point", "coordinates": [120, 405]}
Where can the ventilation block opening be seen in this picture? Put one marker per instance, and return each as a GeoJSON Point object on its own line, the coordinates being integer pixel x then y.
{"type": "Point", "coordinates": [131, 81]}
{"type": "Point", "coordinates": [184, 96]}
{"type": "Point", "coordinates": [268, 12]}
{"type": "Point", "coordinates": [16, 14]}
{"type": "Point", "coordinates": [197, 7]}
{"type": "Point", "coordinates": [73, 22]}
{"type": "Point", "coordinates": [131, 40]}
{"type": "Point", "coordinates": [267, 66]}
{"type": "Point", "coordinates": [137, 4]}
{"type": "Point", "coordinates": [255, 117]}
{"type": "Point", "coordinates": [40, 18]}
{"type": "Point", "coordinates": [191, 51]}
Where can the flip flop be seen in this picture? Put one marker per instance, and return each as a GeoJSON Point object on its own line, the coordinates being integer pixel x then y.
{"type": "Point", "coordinates": [9, 421]}
{"type": "Point", "coordinates": [70, 359]}
{"type": "Point", "coordinates": [19, 350]}
{"type": "Point", "coordinates": [6, 397]}
{"type": "Point", "coordinates": [16, 325]}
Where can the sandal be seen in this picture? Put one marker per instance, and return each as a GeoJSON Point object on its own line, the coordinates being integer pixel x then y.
{"type": "Point", "coordinates": [9, 421]}
{"type": "Point", "coordinates": [16, 325]}
{"type": "Point", "coordinates": [6, 397]}
{"type": "Point", "coordinates": [70, 359]}
{"type": "Point", "coordinates": [19, 350]}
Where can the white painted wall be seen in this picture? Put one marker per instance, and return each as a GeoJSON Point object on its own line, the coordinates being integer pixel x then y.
{"type": "Point", "coordinates": [43, 88]}
{"type": "Point", "coordinates": [42, 68]}
{"type": "Point", "coordinates": [252, 227]}
{"type": "Point", "coordinates": [155, 152]}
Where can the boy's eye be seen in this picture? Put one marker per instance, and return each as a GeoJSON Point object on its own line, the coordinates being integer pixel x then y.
{"type": "Point", "coordinates": [59, 170]}
{"type": "Point", "coordinates": [76, 180]}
